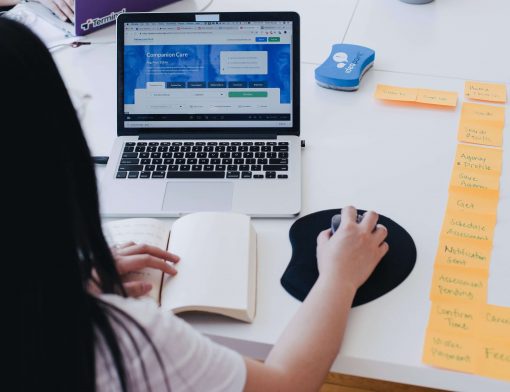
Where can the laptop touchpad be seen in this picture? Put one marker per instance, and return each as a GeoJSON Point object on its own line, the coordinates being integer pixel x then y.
{"type": "Point", "coordinates": [188, 196]}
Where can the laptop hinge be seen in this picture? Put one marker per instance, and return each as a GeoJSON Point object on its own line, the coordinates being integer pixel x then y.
{"type": "Point", "coordinates": [174, 136]}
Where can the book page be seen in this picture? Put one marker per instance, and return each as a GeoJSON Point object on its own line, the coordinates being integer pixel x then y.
{"type": "Point", "coordinates": [216, 269]}
{"type": "Point", "coordinates": [141, 231]}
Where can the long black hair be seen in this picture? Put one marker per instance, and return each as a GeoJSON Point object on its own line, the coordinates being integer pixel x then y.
{"type": "Point", "coordinates": [55, 228]}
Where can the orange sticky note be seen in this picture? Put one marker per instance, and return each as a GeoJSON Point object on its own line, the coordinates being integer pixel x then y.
{"type": "Point", "coordinates": [495, 322]}
{"type": "Point", "coordinates": [493, 359]}
{"type": "Point", "coordinates": [454, 285]}
{"type": "Point", "coordinates": [450, 351]}
{"type": "Point", "coordinates": [454, 318]}
{"type": "Point", "coordinates": [468, 226]}
{"type": "Point", "coordinates": [493, 92]}
{"type": "Point", "coordinates": [437, 97]}
{"type": "Point", "coordinates": [472, 202]}
{"type": "Point", "coordinates": [469, 180]}
{"type": "Point", "coordinates": [478, 132]}
{"type": "Point", "coordinates": [481, 159]}
{"type": "Point", "coordinates": [463, 254]}
{"type": "Point", "coordinates": [479, 112]}
{"type": "Point", "coordinates": [394, 93]}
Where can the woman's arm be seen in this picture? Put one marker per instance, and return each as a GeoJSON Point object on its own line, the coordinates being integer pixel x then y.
{"type": "Point", "coordinates": [6, 3]}
{"type": "Point", "coordinates": [308, 346]}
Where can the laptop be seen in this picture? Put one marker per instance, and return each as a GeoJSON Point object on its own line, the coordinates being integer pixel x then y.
{"type": "Point", "coordinates": [207, 115]}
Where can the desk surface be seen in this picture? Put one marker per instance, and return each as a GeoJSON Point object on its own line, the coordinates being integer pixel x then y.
{"type": "Point", "coordinates": [394, 159]}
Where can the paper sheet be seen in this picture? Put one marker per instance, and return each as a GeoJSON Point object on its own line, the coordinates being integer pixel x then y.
{"type": "Point", "coordinates": [492, 92]}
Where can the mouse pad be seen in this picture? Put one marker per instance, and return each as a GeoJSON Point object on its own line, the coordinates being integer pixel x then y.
{"type": "Point", "coordinates": [302, 272]}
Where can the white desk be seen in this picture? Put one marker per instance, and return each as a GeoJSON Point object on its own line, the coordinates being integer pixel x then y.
{"type": "Point", "coordinates": [394, 159]}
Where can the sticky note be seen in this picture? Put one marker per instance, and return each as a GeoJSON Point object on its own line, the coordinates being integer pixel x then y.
{"type": "Point", "coordinates": [450, 351]}
{"type": "Point", "coordinates": [472, 202]}
{"type": "Point", "coordinates": [478, 132]}
{"type": "Point", "coordinates": [454, 318]}
{"type": "Point", "coordinates": [463, 254]}
{"type": "Point", "coordinates": [481, 159]}
{"type": "Point", "coordinates": [437, 97]}
{"type": "Point", "coordinates": [469, 180]}
{"type": "Point", "coordinates": [493, 359]}
{"type": "Point", "coordinates": [466, 226]}
{"type": "Point", "coordinates": [479, 112]}
{"type": "Point", "coordinates": [495, 322]}
{"type": "Point", "coordinates": [394, 93]}
{"type": "Point", "coordinates": [493, 92]}
{"type": "Point", "coordinates": [452, 285]}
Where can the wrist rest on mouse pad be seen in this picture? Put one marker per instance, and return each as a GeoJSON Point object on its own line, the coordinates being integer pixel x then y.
{"type": "Point", "coordinates": [302, 272]}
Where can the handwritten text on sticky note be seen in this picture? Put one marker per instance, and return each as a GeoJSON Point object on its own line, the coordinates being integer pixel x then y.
{"type": "Point", "coordinates": [493, 92]}
{"type": "Point", "coordinates": [477, 132]}
{"type": "Point", "coordinates": [479, 112]}
{"type": "Point", "coordinates": [450, 351]}
{"type": "Point", "coordinates": [405, 94]}
{"type": "Point", "coordinates": [463, 254]}
{"type": "Point", "coordinates": [452, 285]}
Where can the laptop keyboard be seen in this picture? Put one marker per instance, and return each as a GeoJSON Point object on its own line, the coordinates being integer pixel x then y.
{"type": "Point", "coordinates": [196, 159]}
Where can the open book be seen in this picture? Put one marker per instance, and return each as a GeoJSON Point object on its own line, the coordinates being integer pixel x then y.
{"type": "Point", "coordinates": [217, 267]}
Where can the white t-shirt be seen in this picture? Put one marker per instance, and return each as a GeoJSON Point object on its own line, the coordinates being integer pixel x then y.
{"type": "Point", "coordinates": [192, 362]}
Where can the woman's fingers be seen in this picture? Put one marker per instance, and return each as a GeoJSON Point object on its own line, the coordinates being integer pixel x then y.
{"type": "Point", "coordinates": [380, 233]}
{"type": "Point", "coordinates": [149, 250]}
{"type": "Point", "coordinates": [137, 288]}
{"type": "Point", "coordinates": [348, 215]}
{"type": "Point", "coordinates": [137, 262]}
{"type": "Point", "coordinates": [369, 221]}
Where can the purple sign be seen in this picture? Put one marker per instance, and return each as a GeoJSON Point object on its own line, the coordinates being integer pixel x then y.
{"type": "Point", "coordinates": [91, 15]}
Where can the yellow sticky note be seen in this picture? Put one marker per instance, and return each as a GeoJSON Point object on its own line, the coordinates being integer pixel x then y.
{"type": "Point", "coordinates": [481, 159]}
{"type": "Point", "coordinates": [495, 322]}
{"type": "Point", "coordinates": [454, 285]}
{"type": "Point", "coordinates": [463, 254]}
{"type": "Point", "coordinates": [478, 132]}
{"type": "Point", "coordinates": [466, 226]}
{"type": "Point", "coordinates": [450, 351]}
{"type": "Point", "coordinates": [453, 318]}
{"type": "Point", "coordinates": [394, 93]}
{"type": "Point", "coordinates": [437, 97]}
{"type": "Point", "coordinates": [479, 112]}
{"type": "Point", "coordinates": [493, 359]}
{"type": "Point", "coordinates": [487, 184]}
{"type": "Point", "coordinates": [493, 92]}
{"type": "Point", "coordinates": [472, 202]}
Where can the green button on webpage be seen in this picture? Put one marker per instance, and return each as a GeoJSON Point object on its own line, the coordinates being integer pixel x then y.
{"type": "Point", "coordinates": [274, 39]}
{"type": "Point", "coordinates": [247, 94]}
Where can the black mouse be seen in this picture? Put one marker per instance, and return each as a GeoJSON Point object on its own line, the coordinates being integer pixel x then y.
{"type": "Point", "coordinates": [337, 219]}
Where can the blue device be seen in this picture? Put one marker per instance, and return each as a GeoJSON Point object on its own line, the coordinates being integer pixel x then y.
{"type": "Point", "coordinates": [344, 67]}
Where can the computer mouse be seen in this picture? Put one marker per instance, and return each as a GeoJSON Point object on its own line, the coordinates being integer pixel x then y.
{"type": "Point", "coordinates": [337, 219]}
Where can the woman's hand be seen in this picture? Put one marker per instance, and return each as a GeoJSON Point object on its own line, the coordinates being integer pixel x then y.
{"type": "Point", "coordinates": [353, 252]}
{"type": "Point", "coordinates": [64, 9]}
{"type": "Point", "coordinates": [131, 257]}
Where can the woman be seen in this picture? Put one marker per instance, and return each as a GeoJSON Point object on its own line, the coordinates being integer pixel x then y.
{"type": "Point", "coordinates": [80, 338]}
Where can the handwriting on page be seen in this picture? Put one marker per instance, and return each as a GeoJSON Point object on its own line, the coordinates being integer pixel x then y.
{"type": "Point", "coordinates": [486, 160]}
{"type": "Point", "coordinates": [493, 92]}
{"type": "Point", "coordinates": [469, 226]}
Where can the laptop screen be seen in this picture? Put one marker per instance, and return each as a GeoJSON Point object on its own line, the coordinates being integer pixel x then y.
{"type": "Point", "coordinates": [208, 74]}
